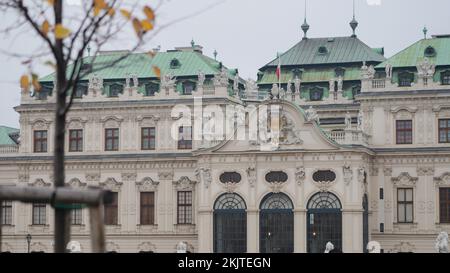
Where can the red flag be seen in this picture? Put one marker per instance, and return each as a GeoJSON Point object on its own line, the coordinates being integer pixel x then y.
{"type": "Point", "coordinates": [278, 72]}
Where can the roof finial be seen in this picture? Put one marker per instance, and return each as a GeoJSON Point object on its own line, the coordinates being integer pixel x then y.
{"type": "Point", "coordinates": [425, 31]}
{"type": "Point", "coordinates": [305, 26]}
{"type": "Point", "coordinates": [192, 42]}
{"type": "Point", "coordinates": [89, 50]}
{"type": "Point", "coordinates": [215, 54]}
{"type": "Point", "coordinates": [354, 23]}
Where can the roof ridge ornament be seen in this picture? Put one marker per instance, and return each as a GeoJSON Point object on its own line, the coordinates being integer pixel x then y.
{"type": "Point", "coordinates": [425, 31]}
{"type": "Point", "coordinates": [305, 25]}
{"type": "Point", "coordinates": [354, 23]}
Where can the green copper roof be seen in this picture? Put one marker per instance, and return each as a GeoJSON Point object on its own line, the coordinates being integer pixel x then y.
{"type": "Point", "coordinates": [337, 50]}
{"type": "Point", "coordinates": [415, 53]}
{"type": "Point", "coordinates": [311, 75]}
{"type": "Point", "coordinates": [5, 139]}
{"type": "Point", "coordinates": [141, 65]}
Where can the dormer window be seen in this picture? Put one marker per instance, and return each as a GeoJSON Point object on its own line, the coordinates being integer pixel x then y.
{"type": "Point", "coordinates": [405, 79]}
{"type": "Point", "coordinates": [81, 90]}
{"type": "Point", "coordinates": [297, 73]}
{"type": "Point", "coordinates": [175, 63]}
{"type": "Point", "coordinates": [445, 77]}
{"type": "Point", "coordinates": [86, 67]}
{"type": "Point", "coordinates": [356, 90]}
{"type": "Point", "coordinates": [115, 89]}
{"type": "Point", "coordinates": [316, 94]}
{"type": "Point", "coordinates": [188, 87]}
{"type": "Point", "coordinates": [339, 72]}
{"type": "Point", "coordinates": [430, 52]}
{"type": "Point", "coordinates": [151, 88]}
{"type": "Point", "coordinates": [323, 50]}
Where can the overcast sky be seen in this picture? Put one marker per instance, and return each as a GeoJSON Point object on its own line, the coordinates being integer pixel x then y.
{"type": "Point", "coordinates": [247, 34]}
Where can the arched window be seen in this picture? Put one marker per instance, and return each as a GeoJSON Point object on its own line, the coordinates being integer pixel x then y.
{"type": "Point", "coordinates": [430, 52]}
{"type": "Point", "coordinates": [230, 224]}
{"type": "Point", "coordinates": [322, 50]}
{"type": "Point", "coordinates": [316, 94]}
{"type": "Point", "coordinates": [324, 200]}
{"type": "Point", "coordinates": [175, 63]}
{"type": "Point", "coordinates": [276, 224]}
{"type": "Point", "coordinates": [324, 222]}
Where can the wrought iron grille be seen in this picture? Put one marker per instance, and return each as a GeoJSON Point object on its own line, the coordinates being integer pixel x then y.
{"type": "Point", "coordinates": [276, 226]}
{"type": "Point", "coordinates": [324, 222]}
{"type": "Point", "coordinates": [230, 224]}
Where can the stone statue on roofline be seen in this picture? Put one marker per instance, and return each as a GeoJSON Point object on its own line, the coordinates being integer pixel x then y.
{"type": "Point", "coordinates": [360, 120]}
{"type": "Point", "coordinates": [426, 69]}
{"type": "Point", "coordinates": [251, 85]}
{"type": "Point", "coordinates": [201, 78]}
{"type": "Point", "coordinates": [297, 83]}
{"type": "Point", "coordinates": [236, 83]}
{"type": "Point", "coordinates": [340, 84]}
{"type": "Point", "coordinates": [388, 71]}
{"type": "Point", "coordinates": [332, 85]}
{"type": "Point", "coordinates": [167, 81]}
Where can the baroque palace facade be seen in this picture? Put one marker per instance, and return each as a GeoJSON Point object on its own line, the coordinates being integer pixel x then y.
{"type": "Point", "coordinates": [363, 152]}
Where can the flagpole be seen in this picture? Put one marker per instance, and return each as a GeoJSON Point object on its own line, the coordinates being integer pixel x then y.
{"type": "Point", "coordinates": [279, 78]}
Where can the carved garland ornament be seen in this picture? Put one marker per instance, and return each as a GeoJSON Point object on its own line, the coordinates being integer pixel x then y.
{"type": "Point", "coordinates": [147, 185]}
{"type": "Point", "coordinates": [404, 179]}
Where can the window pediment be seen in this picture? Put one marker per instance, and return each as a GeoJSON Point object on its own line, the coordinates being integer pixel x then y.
{"type": "Point", "coordinates": [443, 180]}
{"type": "Point", "coordinates": [404, 179]}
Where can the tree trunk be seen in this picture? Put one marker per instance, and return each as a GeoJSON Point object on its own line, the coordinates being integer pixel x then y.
{"type": "Point", "coordinates": [62, 216]}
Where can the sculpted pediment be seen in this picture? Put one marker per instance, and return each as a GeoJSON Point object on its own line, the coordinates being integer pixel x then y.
{"type": "Point", "coordinates": [288, 127]}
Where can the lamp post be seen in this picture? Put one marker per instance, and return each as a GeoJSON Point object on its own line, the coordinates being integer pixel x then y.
{"type": "Point", "coordinates": [29, 241]}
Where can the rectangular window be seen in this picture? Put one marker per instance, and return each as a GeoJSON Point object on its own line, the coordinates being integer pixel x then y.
{"type": "Point", "coordinates": [147, 208]}
{"type": "Point", "coordinates": [185, 138]}
{"type": "Point", "coordinates": [39, 213]}
{"type": "Point", "coordinates": [76, 215]}
{"type": "Point", "coordinates": [381, 193]}
{"type": "Point", "coordinates": [444, 131]}
{"type": "Point", "coordinates": [184, 210]}
{"type": "Point", "coordinates": [444, 205]}
{"type": "Point", "coordinates": [405, 205]}
{"type": "Point", "coordinates": [40, 141]}
{"type": "Point", "coordinates": [404, 132]}
{"type": "Point", "coordinates": [6, 207]}
{"type": "Point", "coordinates": [112, 139]}
{"type": "Point", "coordinates": [112, 210]}
{"type": "Point", "coordinates": [75, 140]}
{"type": "Point", "coordinates": [148, 138]}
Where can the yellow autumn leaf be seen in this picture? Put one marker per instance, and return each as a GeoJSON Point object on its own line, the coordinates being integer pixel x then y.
{"type": "Point", "coordinates": [111, 12]}
{"type": "Point", "coordinates": [101, 4]}
{"type": "Point", "coordinates": [51, 2]}
{"type": "Point", "coordinates": [61, 32]}
{"type": "Point", "coordinates": [35, 82]}
{"type": "Point", "coordinates": [137, 27]}
{"type": "Point", "coordinates": [149, 13]}
{"type": "Point", "coordinates": [125, 13]}
{"type": "Point", "coordinates": [157, 71]}
{"type": "Point", "coordinates": [146, 25]}
{"type": "Point", "coordinates": [97, 11]}
{"type": "Point", "coordinates": [45, 27]}
{"type": "Point", "coordinates": [25, 82]}
{"type": "Point", "coordinates": [151, 53]}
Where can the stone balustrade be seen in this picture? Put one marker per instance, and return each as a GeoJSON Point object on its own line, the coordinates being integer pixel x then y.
{"type": "Point", "coordinates": [349, 137]}
{"type": "Point", "coordinates": [9, 149]}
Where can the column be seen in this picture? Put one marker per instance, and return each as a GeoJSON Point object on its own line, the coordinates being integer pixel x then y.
{"type": "Point", "coordinates": [252, 231]}
{"type": "Point", "coordinates": [300, 231]}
